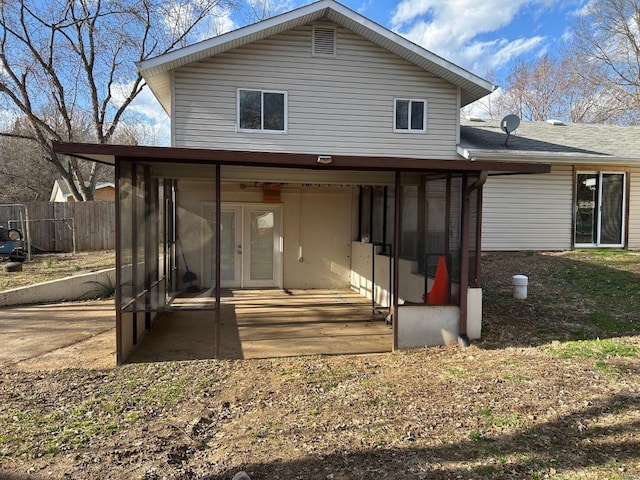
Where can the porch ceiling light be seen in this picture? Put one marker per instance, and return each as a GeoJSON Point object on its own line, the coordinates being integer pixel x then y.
{"type": "Point", "coordinates": [325, 159]}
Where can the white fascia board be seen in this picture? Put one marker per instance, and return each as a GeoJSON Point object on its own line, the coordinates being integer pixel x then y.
{"type": "Point", "coordinates": [543, 157]}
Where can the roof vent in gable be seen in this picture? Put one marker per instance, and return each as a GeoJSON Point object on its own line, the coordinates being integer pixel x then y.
{"type": "Point", "coordinates": [324, 41]}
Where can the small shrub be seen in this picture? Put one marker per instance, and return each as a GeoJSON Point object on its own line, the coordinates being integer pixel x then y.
{"type": "Point", "coordinates": [103, 289]}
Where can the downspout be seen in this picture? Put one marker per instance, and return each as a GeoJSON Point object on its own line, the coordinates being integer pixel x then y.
{"type": "Point", "coordinates": [463, 338]}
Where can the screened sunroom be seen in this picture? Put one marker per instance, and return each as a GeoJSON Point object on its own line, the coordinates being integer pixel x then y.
{"type": "Point", "coordinates": [225, 254]}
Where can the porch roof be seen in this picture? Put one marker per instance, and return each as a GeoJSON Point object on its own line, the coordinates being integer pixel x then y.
{"type": "Point", "coordinates": [107, 154]}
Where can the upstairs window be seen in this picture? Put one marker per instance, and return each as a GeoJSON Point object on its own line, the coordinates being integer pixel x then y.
{"type": "Point", "coordinates": [410, 116]}
{"type": "Point", "coordinates": [262, 110]}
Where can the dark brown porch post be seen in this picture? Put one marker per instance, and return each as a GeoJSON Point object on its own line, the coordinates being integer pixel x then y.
{"type": "Point", "coordinates": [479, 238]}
{"type": "Point", "coordinates": [396, 259]}
{"type": "Point", "coordinates": [118, 299]}
{"type": "Point", "coordinates": [464, 261]}
{"type": "Point", "coordinates": [217, 276]}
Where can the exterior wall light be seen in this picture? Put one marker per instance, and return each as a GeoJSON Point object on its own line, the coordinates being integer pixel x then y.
{"type": "Point", "coordinates": [325, 159]}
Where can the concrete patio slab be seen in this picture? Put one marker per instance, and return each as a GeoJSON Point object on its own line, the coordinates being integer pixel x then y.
{"type": "Point", "coordinates": [47, 336]}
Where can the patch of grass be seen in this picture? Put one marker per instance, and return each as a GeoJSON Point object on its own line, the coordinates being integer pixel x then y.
{"type": "Point", "coordinates": [327, 377]}
{"type": "Point", "coordinates": [51, 262]}
{"type": "Point", "coordinates": [607, 322]}
{"type": "Point", "coordinates": [593, 349]}
{"type": "Point", "coordinates": [121, 401]}
{"type": "Point", "coordinates": [477, 436]}
{"type": "Point", "coordinates": [517, 378]}
{"type": "Point", "coordinates": [486, 470]}
{"type": "Point", "coordinates": [490, 419]}
{"type": "Point", "coordinates": [609, 369]}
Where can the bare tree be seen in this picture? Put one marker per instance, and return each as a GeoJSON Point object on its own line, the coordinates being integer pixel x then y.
{"type": "Point", "coordinates": [486, 107]}
{"type": "Point", "coordinates": [258, 10]}
{"type": "Point", "coordinates": [68, 65]}
{"type": "Point", "coordinates": [535, 89]}
{"type": "Point", "coordinates": [606, 37]}
{"type": "Point", "coordinates": [25, 173]}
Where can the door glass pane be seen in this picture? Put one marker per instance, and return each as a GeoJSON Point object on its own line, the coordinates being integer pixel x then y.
{"type": "Point", "coordinates": [612, 208]}
{"type": "Point", "coordinates": [587, 208]}
{"type": "Point", "coordinates": [227, 247]}
{"type": "Point", "coordinates": [261, 238]}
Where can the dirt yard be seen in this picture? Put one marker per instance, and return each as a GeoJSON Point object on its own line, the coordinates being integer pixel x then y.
{"type": "Point", "coordinates": [552, 391]}
{"type": "Point", "coordinates": [51, 266]}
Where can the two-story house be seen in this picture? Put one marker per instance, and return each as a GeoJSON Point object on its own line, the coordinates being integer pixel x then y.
{"type": "Point", "coordinates": [312, 150]}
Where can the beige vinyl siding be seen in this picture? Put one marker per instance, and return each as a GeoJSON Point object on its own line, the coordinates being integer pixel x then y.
{"type": "Point", "coordinates": [336, 105]}
{"type": "Point", "coordinates": [634, 209]}
{"type": "Point", "coordinates": [528, 212]}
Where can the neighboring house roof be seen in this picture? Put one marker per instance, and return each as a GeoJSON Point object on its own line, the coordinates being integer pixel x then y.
{"type": "Point", "coordinates": [551, 141]}
{"type": "Point", "coordinates": [61, 189]}
{"type": "Point", "coordinates": [156, 71]}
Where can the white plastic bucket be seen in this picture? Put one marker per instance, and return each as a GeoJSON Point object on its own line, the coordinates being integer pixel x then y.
{"type": "Point", "coordinates": [520, 283]}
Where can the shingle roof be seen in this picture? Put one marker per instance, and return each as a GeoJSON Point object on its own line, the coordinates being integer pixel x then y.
{"type": "Point", "coordinates": [546, 141]}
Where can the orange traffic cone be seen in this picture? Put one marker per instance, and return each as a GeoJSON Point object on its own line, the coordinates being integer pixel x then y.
{"type": "Point", "coordinates": [439, 294]}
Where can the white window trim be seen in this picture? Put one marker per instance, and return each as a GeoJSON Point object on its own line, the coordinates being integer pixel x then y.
{"type": "Point", "coordinates": [262, 129]}
{"type": "Point", "coordinates": [424, 119]}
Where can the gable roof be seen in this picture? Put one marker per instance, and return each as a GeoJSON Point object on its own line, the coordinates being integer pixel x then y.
{"type": "Point", "coordinates": [156, 71]}
{"type": "Point", "coordinates": [545, 141]}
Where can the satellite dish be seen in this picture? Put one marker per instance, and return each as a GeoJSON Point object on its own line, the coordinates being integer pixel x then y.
{"type": "Point", "coordinates": [509, 124]}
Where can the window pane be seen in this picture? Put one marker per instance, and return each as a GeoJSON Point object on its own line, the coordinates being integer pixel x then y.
{"type": "Point", "coordinates": [612, 195]}
{"type": "Point", "coordinates": [417, 115]}
{"type": "Point", "coordinates": [274, 111]}
{"type": "Point", "coordinates": [250, 109]}
{"type": "Point", "coordinates": [402, 114]}
{"type": "Point", "coordinates": [227, 247]}
{"type": "Point", "coordinates": [586, 208]}
{"type": "Point", "coordinates": [262, 237]}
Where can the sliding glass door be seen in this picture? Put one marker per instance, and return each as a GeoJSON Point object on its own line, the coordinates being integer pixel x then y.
{"type": "Point", "coordinates": [600, 209]}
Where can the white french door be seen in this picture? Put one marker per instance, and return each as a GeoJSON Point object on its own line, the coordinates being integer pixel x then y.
{"type": "Point", "coordinates": [599, 208]}
{"type": "Point", "coordinates": [250, 246]}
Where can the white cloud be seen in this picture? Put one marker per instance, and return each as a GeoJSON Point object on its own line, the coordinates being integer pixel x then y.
{"type": "Point", "coordinates": [144, 114]}
{"type": "Point", "coordinates": [7, 117]}
{"type": "Point", "coordinates": [218, 23]}
{"type": "Point", "coordinates": [450, 28]}
{"type": "Point", "coordinates": [485, 107]}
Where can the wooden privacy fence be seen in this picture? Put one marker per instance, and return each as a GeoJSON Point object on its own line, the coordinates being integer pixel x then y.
{"type": "Point", "coordinates": [61, 226]}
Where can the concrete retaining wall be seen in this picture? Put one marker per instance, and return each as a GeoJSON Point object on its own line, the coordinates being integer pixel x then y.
{"type": "Point", "coordinates": [77, 287]}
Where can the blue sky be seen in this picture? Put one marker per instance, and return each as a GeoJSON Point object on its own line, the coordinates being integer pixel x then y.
{"type": "Point", "coordinates": [479, 35]}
